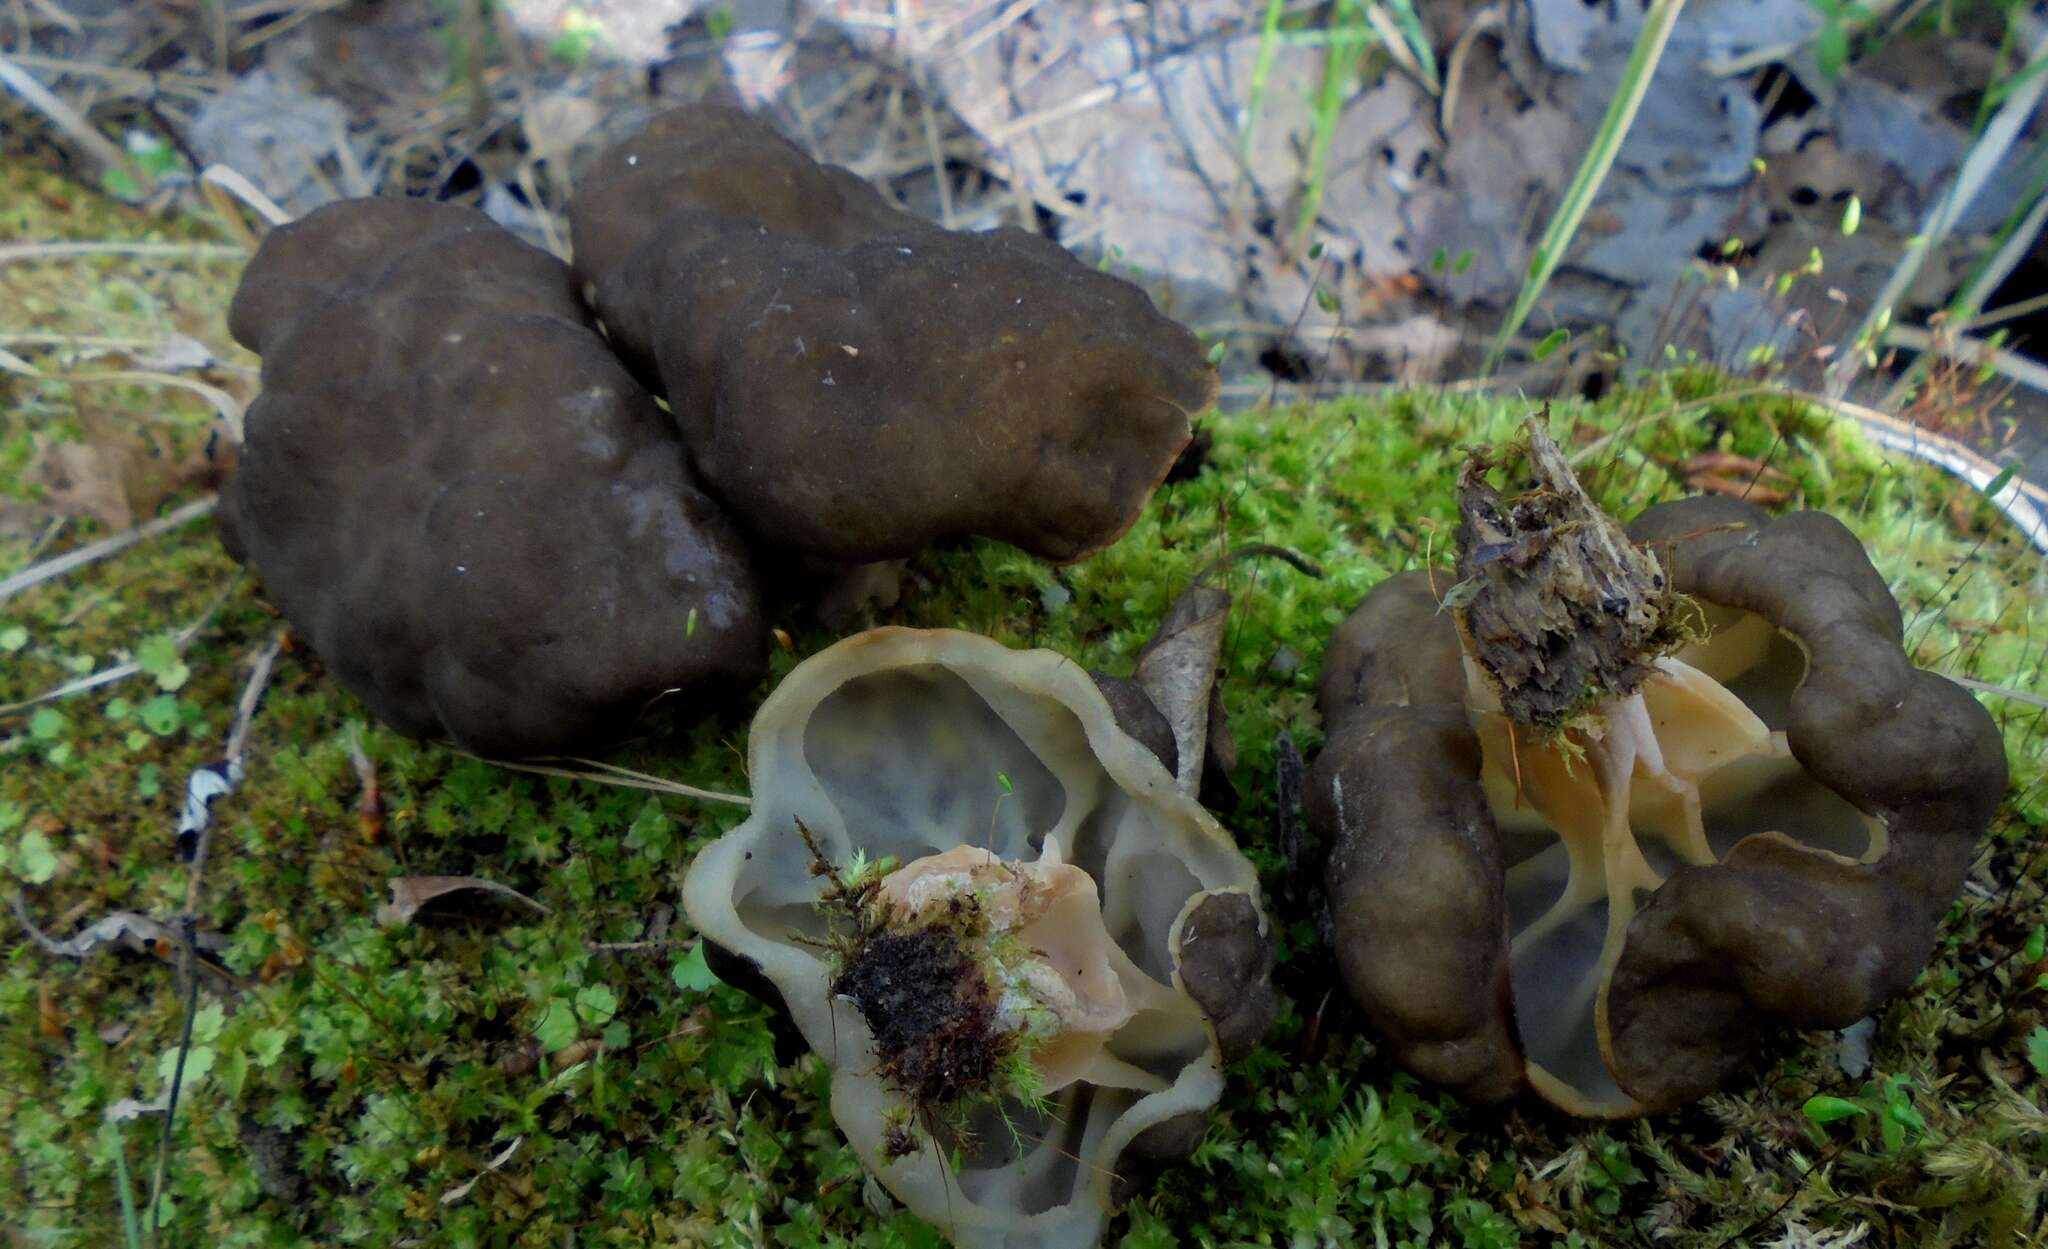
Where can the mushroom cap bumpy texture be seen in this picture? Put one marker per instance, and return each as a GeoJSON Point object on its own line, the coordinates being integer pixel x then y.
{"type": "Point", "coordinates": [854, 382]}
{"type": "Point", "coordinates": [1817, 869]}
{"type": "Point", "coordinates": [453, 490]}
{"type": "Point", "coordinates": [891, 743]}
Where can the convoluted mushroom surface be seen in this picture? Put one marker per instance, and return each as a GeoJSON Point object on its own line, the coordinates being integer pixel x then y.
{"type": "Point", "coordinates": [1764, 828]}
{"type": "Point", "coordinates": [1039, 887]}
{"type": "Point", "coordinates": [855, 382]}
{"type": "Point", "coordinates": [454, 491]}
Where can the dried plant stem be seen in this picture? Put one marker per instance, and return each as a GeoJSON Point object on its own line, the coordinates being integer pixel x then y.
{"type": "Point", "coordinates": [11, 252]}
{"type": "Point", "coordinates": [71, 561]}
{"type": "Point", "coordinates": [1982, 160]}
{"type": "Point", "coordinates": [612, 774]}
{"type": "Point", "coordinates": [68, 120]}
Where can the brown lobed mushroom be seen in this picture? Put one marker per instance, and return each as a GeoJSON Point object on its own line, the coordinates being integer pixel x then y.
{"type": "Point", "coordinates": [454, 491]}
{"type": "Point", "coordinates": [854, 382]}
{"type": "Point", "coordinates": [1761, 826]}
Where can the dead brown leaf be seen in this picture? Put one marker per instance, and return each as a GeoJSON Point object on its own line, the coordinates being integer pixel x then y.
{"type": "Point", "coordinates": [1177, 671]}
{"type": "Point", "coordinates": [1761, 495]}
{"type": "Point", "coordinates": [50, 1017]}
{"type": "Point", "coordinates": [410, 893]}
{"type": "Point", "coordinates": [1727, 463]}
{"type": "Point", "coordinates": [118, 478]}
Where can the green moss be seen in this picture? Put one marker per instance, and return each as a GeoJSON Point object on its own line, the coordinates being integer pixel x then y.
{"type": "Point", "coordinates": [359, 1077]}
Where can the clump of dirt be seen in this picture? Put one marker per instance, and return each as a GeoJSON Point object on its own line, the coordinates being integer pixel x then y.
{"type": "Point", "coordinates": [1558, 608]}
{"type": "Point", "coordinates": [923, 988]}
{"type": "Point", "coordinates": [932, 1012]}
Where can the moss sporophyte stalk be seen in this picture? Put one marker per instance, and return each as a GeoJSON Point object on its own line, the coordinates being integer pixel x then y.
{"type": "Point", "coordinates": [984, 981]}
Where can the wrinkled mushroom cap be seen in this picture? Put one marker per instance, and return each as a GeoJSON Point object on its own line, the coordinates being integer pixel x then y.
{"type": "Point", "coordinates": [455, 493]}
{"type": "Point", "coordinates": [855, 382]}
{"type": "Point", "coordinates": [890, 743]}
{"type": "Point", "coordinates": [1807, 816]}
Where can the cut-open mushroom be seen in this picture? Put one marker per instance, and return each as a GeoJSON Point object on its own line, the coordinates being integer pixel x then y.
{"type": "Point", "coordinates": [1040, 885]}
{"type": "Point", "coordinates": [1760, 826]}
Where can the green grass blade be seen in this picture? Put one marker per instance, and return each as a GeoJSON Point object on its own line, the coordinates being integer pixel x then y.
{"type": "Point", "coordinates": [1585, 184]}
{"type": "Point", "coordinates": [1348, 42]}
{"type": "Point", "coordinates": [1983, 158]}
{"type": "Point", "coordinates": [124, 1185]}
{"type": "Point", "coordinates": [1262, 70]}
{"type": "Point", "coordinates": [1409, 23]}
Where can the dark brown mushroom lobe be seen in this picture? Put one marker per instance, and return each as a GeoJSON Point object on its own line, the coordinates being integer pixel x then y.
{"type": "Point", "coordinates": [456, 494]}
{"type": "Point", "coordinates": [1415, 873]}
{"type": "Point", "coordinates": [855, 382]}
{"type": "Point", "coordinates": [1826, 939]}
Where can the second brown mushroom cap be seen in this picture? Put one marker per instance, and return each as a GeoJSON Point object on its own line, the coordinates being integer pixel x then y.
{"type": "Point", "coordinates": [855, 382]}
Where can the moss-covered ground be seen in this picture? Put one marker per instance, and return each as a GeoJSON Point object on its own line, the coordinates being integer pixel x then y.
{"type": "Point", "coordinates": [487, 1075]}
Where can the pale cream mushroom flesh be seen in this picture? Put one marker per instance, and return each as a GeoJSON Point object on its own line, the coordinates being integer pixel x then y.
{"type": "Point", "coordinates": [1673, 774]}
{"type": "Point", "coordinates": [1004, 776]}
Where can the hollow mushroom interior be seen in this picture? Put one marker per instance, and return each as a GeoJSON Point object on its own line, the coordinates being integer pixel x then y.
{"type": "Point", "coordinates": [1681, 778]}
{"type": "Point", "coordinates": [905, 762]}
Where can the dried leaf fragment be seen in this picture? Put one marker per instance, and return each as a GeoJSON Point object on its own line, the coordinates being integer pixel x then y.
{"type": "Point", "coordinates": [410, 893]}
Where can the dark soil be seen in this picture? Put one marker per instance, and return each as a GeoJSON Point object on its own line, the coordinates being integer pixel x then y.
{"type": "Point", "coordinates": [931, 1012]}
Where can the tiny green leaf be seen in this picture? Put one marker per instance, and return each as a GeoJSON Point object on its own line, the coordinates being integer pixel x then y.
{"type": "Point", "coordinates": [1825, 1109]}
{"type": "Point", "coordinates": [35, 858]}
{"type": "Point", "coordinates": [1831, 48]}
{"type": "Point", "coordinates": [119, 184]}
{"type": "Point", "coordinates": [160, 715]}
{"type": "Point", "coordinates": [692, 974]}
{"type": "Point", "coordinates": [2037, 1050]}
{"type": "Point", "coordinates": [47, 724]}
{"type": "Point", "coordinates": [1852, 216]}
{"type": "Point", "coordinates": [1463, 262]}
{"type": "Point", "coordinates": [267, 1045]}
{"type": "Point", "coordinates": [1003, 779]}
{"type": "Point", "coordinates": [1326, 299]}
{"type": "Point", "coordinates": [1216, 352]}
{"type": "Point", "coordinates": [13, 638]}
{"type": "Point", "coordinates": [597, 1004]}
{"type": "Point", "coordinates": [207, 1021]}
{"type": "Point", "coordinates": [150, 781]}
{"type": "Point", "coordinates": [198, 1061]}
{"type": "Point", "coordinates": [1999, 483]}
{"type": "Point", "coordinates": [556, 1029]}
{"type": "Point", "coordinates": [156, 654]}
{"type": "Point", "coordinates": [1551, 342]}
{"type": "Point", "coordinates": [1315, 250]}
{"type": "Point", "coordinates": [119, 709]}
{"type": "Point", "coordinates": [1439, 260]}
